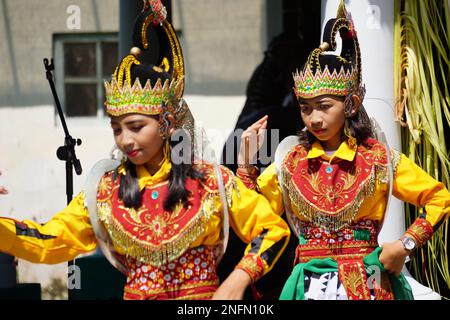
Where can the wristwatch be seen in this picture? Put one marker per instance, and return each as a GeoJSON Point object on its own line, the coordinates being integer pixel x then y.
{"type": "Point", "coordinates": [408, 243]}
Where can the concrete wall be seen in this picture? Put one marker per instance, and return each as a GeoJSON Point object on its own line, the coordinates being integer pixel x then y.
{"type": "Point", "coordinates": [222, 42]}
{"type": "Point", "coordinates": [26, 29]}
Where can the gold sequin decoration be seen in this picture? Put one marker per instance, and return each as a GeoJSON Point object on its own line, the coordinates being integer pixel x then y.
{"type": "Point", "coordinates": [395, 160]}
{"type": "Point", "coordinates": [178, 61]}
{"type": "Point", "coordinates": [158, 255]}
{"type": "Point", "coordinates": [124, 69]}
{"type": "Point", "coordinates": [331, 222]}
{"type": "Point", "coordinates": [145, 25]}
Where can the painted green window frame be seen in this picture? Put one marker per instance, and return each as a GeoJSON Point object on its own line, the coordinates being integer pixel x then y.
{"type": "Point", "coordinates": [59, 59]}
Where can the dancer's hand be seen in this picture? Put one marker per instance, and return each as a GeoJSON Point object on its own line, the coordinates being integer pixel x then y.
{"type": "Point", "coordinates": [251, 141]}
{"type": "Point", "coordinates": [233, 288]}
{"type": "Point", "coordinates": [393, 256]}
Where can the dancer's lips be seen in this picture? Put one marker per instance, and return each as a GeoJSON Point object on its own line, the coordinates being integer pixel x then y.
{"type": "Point", "coordinates": [319, 132]}
{"type": "Point", "coordinates": [133, 153]}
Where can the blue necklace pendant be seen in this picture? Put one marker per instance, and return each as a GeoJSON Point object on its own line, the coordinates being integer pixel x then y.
{"type": "Point", "coordinates": [329, 169]}
{"type": "Point", "coordinates": [155, 194]}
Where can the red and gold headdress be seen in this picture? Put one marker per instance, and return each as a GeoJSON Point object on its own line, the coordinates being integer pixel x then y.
{"type": "Point", "coordinates": [332, 74]}
{"type": "Point", "coordinates": [147, 89]}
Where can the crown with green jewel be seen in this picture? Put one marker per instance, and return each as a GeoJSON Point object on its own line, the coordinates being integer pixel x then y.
{"type": "Point", "coordinates": [309, 84]}
{"type": "Point", "coordinates": [146, 100]}
{"type": "Point", "coordinates": [329, 73]}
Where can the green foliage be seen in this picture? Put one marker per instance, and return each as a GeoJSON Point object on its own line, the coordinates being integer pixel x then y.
{"type": "Point", "coordinates": [422, 42]}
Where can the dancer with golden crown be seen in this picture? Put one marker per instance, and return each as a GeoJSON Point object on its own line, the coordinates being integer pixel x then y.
{"type": "Point", "coordinates": [334, 180]}
{"type": "Point", "coordinates": [160, 214]}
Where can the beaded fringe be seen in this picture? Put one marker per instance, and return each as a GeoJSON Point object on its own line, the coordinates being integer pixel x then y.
{"type": "Point", "coordinates": [160, 254]}
{"type": "Point", "coordinates": [333, 222]}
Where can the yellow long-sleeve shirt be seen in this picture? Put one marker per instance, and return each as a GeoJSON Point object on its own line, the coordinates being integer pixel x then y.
{"type": "Point", "coordinates": [69, 233]}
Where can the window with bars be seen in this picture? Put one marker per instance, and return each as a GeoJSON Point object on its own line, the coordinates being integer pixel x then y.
{"type": "Point", "coordinates": [82, 63]}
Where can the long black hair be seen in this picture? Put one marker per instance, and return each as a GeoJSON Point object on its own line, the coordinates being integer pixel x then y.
{"type": "Point", "coordinates": [129, 184]}
{"type": "Point", "coordinates": [178, 175]}
{"type": "Point", "coordinates": [359, 124]}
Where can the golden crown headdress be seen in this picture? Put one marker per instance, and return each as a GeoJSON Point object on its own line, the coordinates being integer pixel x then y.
{"type": "Point", "coordinates": [125, 95]}
{"type": "Point", "coordinates": [328, 73]}
{"type": "Point", "coordinates": [146, 100]}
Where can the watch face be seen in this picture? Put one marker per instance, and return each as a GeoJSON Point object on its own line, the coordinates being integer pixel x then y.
{"type": "Point", "coordinates": [409, 243]}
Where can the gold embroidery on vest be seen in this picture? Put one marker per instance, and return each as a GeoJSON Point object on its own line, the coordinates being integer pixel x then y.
{"type": "Point", "coordinates": [333, 220]}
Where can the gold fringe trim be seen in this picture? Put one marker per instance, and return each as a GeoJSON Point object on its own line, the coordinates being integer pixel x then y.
{"type": "Point", "coordinates": [395, 160]}
{"type": "Point", "coordinates": [230, 184]}
{"type": "Point", "coordinates": [332, 222]}
{"type": "Point", "coordinates": [164, 253]}
{"type": "Point", "coordinates": [382, 174]}
{"type": "Point", "coordinates": [230, 187]}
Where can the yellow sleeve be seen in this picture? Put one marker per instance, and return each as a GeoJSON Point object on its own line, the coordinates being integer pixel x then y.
{"type": "Point", "coordinates": [254, 221]}
{"type": "Point", "coordinates": [68, 234]}
{"type": "Point", "coordinates": [415, 186]}
{"type": "Point", "coordinates": [268, 186]}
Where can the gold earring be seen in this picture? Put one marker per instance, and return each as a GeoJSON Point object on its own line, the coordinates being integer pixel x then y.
{"type": "Point", "coordinates": [351, 139]}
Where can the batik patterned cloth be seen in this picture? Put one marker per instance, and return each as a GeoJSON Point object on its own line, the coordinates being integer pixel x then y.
{"type": "Point", "coordinates": [191, 276]}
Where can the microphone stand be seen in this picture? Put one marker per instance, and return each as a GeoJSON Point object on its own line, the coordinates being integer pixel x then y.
{"type": "Point", "coordinates": [67, 152]}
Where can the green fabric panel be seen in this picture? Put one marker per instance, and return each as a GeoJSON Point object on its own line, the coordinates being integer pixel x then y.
{"type": "Point", "coordinates": [294, 287]}
{"type": "Point", "coordinates": [361, 235]}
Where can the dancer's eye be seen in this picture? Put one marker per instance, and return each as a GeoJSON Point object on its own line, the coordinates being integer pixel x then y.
{"type": "Point", "coordinates": [136, 128]}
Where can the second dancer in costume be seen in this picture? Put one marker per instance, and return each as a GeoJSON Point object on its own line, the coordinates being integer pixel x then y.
{"type": "Point", "coordinates": [334, 181]}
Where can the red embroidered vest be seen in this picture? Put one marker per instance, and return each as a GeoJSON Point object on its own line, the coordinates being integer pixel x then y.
{"type": "Point", "coordinates": [152, 234]}
{"type": "Point", "coordinates": [330, 195]}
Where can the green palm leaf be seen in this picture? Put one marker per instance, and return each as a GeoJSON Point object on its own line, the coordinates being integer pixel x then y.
{"type": "Point", "coordinates": [422, 60]}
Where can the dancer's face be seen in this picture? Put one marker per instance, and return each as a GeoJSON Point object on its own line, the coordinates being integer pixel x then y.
{"type": "Point", "coordinates": [137, 136]}
{"type": "Point", "coordinates": [324, 117]}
